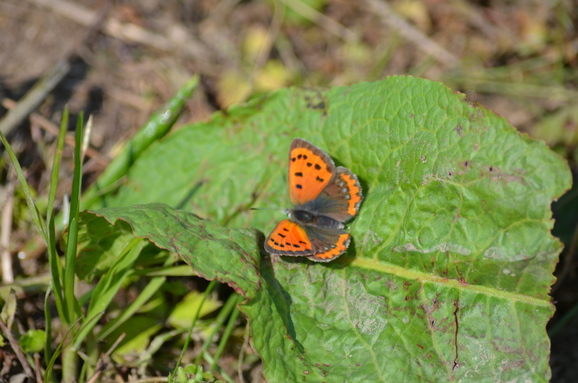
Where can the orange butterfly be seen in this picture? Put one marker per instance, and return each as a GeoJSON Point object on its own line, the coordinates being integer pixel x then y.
{"type": "Point", "coordinates": [324, 196]}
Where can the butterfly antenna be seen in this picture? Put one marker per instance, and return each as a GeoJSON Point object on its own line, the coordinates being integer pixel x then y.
{"type": "Point", "coordinates": [266, 208]}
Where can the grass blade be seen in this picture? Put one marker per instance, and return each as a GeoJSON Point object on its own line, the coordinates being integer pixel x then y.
{"type": "Point", "coordinates": [223, 314]}
{"type": "Point", "coordinates": [151, 288]}
{"type": "Point", "coordinates": [227, 332]}
{"type": "Point", "coordinates": [208, 292]}
{"type": "Point", "coordinates": [157, 126]}
{"type": "Point", "coordinates": [110, 283]}
{"type": "Point", "coordinates": [53, 259]}
{"type": "Point", "coordinates": [71, 303]}
{"type": "Point", "coordinates": [36, 217]}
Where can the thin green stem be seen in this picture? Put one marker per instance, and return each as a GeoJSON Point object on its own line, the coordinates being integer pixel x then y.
{"type": "Point", "coordinates": [208, 291]}
{"type": "Point", "coordinates": [227, 332]}
{"type": "Point", "coordinates": [223, 315]}
{"type": "Point", "coordinates": [36, 217]}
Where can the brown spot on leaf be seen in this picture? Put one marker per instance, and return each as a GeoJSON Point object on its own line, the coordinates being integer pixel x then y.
{"type": "Point", "coordinates": [459, 130]}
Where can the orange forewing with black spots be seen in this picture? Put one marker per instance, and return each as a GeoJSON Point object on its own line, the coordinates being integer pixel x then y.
{"type": "Point", "coordinates": [310, 171]}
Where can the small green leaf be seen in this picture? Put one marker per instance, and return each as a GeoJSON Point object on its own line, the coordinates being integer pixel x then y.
{"type": "Point", "coordinates": [184, 312]}
{"type": "Point", "coordinates": [33, 341]}
{"type": "Point", "coordinates": [180, 376]}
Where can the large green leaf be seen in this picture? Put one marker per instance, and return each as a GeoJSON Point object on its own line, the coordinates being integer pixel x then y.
{"type": "Point", "coordinates": [451, 263]}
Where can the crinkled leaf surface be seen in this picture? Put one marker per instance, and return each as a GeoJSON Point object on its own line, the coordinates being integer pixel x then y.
{"type": "Point", "coordinates": [206, 246]}
{"type": "Point", "coordinates": [451, 263]}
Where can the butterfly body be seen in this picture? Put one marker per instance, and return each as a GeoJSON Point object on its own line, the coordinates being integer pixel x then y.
{"type": "Point", "coordinates": [324, 196]}
{"type": "Point", "coordinates": [309, 218]}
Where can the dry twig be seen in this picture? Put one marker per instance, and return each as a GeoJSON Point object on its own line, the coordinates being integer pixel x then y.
{"type": "Point", "coordinates": [6, 229]}
{"type": "Point", "coordinates": [192, 48]}
{"type": "Point", "coordinates": [323, 21]}
{"type": "Point", "coordinates": [51, 128]}
{"type": "Point", "coordinates": [34, 97]}
{"type": "Point", "coordinates": [393, 21]}
{"type": "Point", "coordinates": [17, 350]}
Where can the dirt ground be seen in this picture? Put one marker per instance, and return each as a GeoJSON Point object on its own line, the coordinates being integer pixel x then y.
{"type": "Point", "coordinates": [518, 58]}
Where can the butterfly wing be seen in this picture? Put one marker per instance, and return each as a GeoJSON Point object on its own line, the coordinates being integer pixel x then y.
{"type": "Point", "coordinates": [340, 199]}
{"type": "Point", "coordinates": [318, 243]}
{"type": "Point", "coordinates": [289, 238]}
{"type": "Point", "coordinates": [310, 171]}
{"type": "Point", "coordinates": [327, 244]}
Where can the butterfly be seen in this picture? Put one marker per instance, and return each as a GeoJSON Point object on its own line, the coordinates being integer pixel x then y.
{"type": "Point", "coordinates": [324, 197]}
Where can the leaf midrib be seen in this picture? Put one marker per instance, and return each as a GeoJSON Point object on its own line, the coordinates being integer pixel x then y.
{"type": "Point", "coordinates": [446, 282]}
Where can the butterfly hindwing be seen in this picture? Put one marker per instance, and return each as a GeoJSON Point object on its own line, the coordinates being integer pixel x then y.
{"type": "Point", "coordinates": [310, 171]}
{"type": "Point", "coordinates": [327, 244]}
{"type": "Point", "coordinates": [340, 199]}
{"type": "Point", "coordinates": [289, 238]}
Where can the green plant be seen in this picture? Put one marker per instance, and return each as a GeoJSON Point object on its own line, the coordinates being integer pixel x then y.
{"type": "Point", "coordinates": [447, 277]}
{"type": "Point", "coordinates": [79, 315]}
{"type": "Point", "coordinates": [452, 259]}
